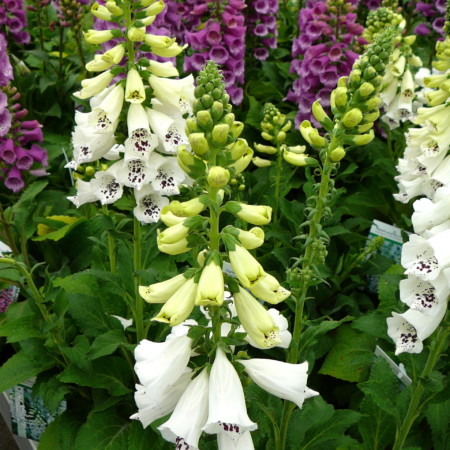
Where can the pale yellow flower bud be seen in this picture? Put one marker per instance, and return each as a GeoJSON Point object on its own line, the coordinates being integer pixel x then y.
{"type": "Point", "coordinates": [245, 266]}
{"type": "Point", "coordinates": [266, 149]}
{"type": "Point", "coordinates": [218, 177]}
{"type": "Point", "coordinates": [269, 289]}
{"type": "Point", "coordinates": [161, 292]}
{"type": "Point", "coordinates": [134, 90]}
{"type": "Point", "coordinates": [98, 37]}
{"type": "Point", "coordinates": [210, 286]}
{"type": "Point", "coordinates": [296, 159]}
{"type": "Point", "coordinates": [261, 162]}
{"type": "Point", "coordinates": [252, 238]}
{"type": "Point", "coordinates": [136, 34]}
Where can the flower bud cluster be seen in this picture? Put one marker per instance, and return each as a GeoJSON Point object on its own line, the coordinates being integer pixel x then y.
{"type": "Point", "coordinates": [274, 128]}
{"type": "Point", "coordinates": [153, 104]}
{"type": "Point", "coordinates": [380, 19]}
{"type": "Point", "coordinates": [221, 40]}
{"type": "Point", "coordinates": [424, 171]}
{"type": "Point", "coordinates": [433, 12]}
{"type": "Point", "coordinates": [19, 151]}
{"type": "Point", "coordinates": [71, 12]}
{"type": "Point", "coordinates": [13, 18]}
{"type": "Point", "coordinates": [354, 103]}
{"type": "Point", "coordinates": [262, 23]}
{"type": "Point", "coordinates": [324, 51]}
{"type": "Point", "coordinates": [202, 402]}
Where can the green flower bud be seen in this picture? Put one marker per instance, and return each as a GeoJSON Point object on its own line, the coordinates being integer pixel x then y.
{"type": "Point", "coordinates": [90, 171]}
{"type": "Point", "coordinates": [205, 120]}
{"type": "Point", "coordinates": [311, 135]}
{"type": "Point", "coordinates": [265, 149]}
{"type": "Point", "coordinates": [236, 129]}
{"type": "Point", "coordinates": [373, 103]}
{"type": "Point", "coordinates": [238, 149]}
{"type": "Point", "coordinates": [216, 110]}
{"type": "Point", "coordinates": [359, 139]}
{"type": "Point", "coordinates": [218, 177]}
{"type": "Point", "coordinates": [371, 117]}
{"type": "Point", "coordinates": [191, 125]}
{"type": "Point", "coordinates": [339, 96]}
{"type": "Point", "coordinates": [207, 101]}
{"type": "Point", "coordinates": [295, 159]}
{"type": "Point", "coordinates": [366, 89]}
{"type": "Point", "coordinates": [337, 154]}
{"type": "Point", "coordinates": [370, 73]}
{"type": "Point", "coordinates": [267, 136]}
{"type": "Point", "coordinates": [321, 116]}
{"type": "Point", "coordinates": [261, 162]}
{"type": "Point", "coordinates": [198, 143]}
{"type": "Point", "coordinates": [365, 127]}
{"type": "Point", "coordinates": [228, 118]}
{"type": "Point", "coordinates": [352, 118]}
{"type": "Point", "coordinates": [219, 133]}
{"type": "Point", "coordinates": [287, 126]}
{"type": "Point", "coordinates": [281, 136]}
{"type": "Point", "coordinates": [199, 91]}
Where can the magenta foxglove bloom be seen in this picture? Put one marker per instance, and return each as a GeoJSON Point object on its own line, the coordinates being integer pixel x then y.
{"type": "Point", "coordinates": [13, 17]}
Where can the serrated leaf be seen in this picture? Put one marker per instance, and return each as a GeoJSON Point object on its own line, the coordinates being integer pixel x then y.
{"type": "Point", "coordinates": [351, 355]}
{"type": "Point", "coordinates": [438, 417]}
{"type": "Point", "coordinates": [61, 432]}
{"type": "Point", "coordinates": [76, 353]}
{"type": "Point", "coordinates": [22, 328]}
{"type": "Point", "coordinates": [20, 367]}
{"type": "Point", "coordinates": [107, 343]}
{"type": "Point", "coordinates": [103, 431]}
{"type": "Point", "coordinates": [372, 323]}
{"type": "Point", "coordinates": [111, 373]}
{"type": "Point", "coordinates": [50, 390]}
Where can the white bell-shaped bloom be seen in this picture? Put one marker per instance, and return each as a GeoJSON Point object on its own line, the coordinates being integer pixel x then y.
{"type": "Point", "coordinates": [189, 416]}
{"type": "Point", "coordinates": [226, 443]}
{"type": "Point", "coordinates": [284, 380]}
{"type": "Point", "coordinates": [141, 141]}
{"type": "Point", "coordinates": [154, 404]}
{"type": "Point", "coordinates": [428, 214]}
{"type": "Point", "coordinates": [134, 173]}
{"type": "Point", "coordinates": [93, 86]}
{"type": "Point", "coordinates": [410, 329]}
{"type": "Point", "coordinates": [168, 175]}
{"type": "Point", "coordinates": [134, 89]}
{"type": "Point", "coordinates": [84, 194]}
{"type": "Point", "coordinates": [424, 296]}
{"type": "Point", "coordinates": [88, 145]}
{"type": "Point", "coordinates": [425, 258]}
{"type": "Point", "coordinates": [168, 128]}
{"type": "Point", "coordinates": [162, 69]}
{"type": "Point", "coordinates": [227, 411]}
{"type": "Point", "coordinates": [161, 363]}
{"type": "Point", "coordinates": [179, 93]}
{"type": "Point", "coordinates": [148, 204]}
{"type": "Point", "coordinates": [106, 187]}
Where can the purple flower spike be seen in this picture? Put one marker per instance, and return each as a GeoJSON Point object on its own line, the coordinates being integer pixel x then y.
{"type": "Point", "coordinates": [219, 54]}
{"type": "Point", "coordinates": [7, 152]}
{"type": "Point", "coordinates": [213, 36]}
{"type": "Point", "coordinates": [28, 136]}
{"type": "Point", "coordinates": [261, 53]}
{"type": "Point", "coordinates": [422, 30]}
{"type": "Point", "coordinates": [24, 160]}
{"type": "Point", "coordinates": [14, 180]}
{"type": "Point", "coordinates": [5, 122]}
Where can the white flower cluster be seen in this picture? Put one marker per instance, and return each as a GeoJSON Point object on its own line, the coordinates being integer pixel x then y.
{"type": "Point", "coordinates": [210, 401]}
{"type": "Point", "coordinates": [145, 161]}
{"type": "Point", "coordinates": [397, 93]}
{"type": "Point", "coordinates": [425, 171]}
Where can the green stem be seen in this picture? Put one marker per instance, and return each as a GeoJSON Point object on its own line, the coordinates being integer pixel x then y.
{"type": "Point", "coordinates": [61, 50]}
{"type": "Point", "coordinates": [277, 185]}
{"type": "Point", "coordinates": [288, 407]}
{"type": "Point", "coordinates": [414, 405]}
{"type": "Point", "coordinates": [111, 247]}
{"type": "Point", "coordinates": [139, 304]}
{"type": "Point", "coordinates": [80, 49]}
{"type": "Point", "coordinates": [9, 237]}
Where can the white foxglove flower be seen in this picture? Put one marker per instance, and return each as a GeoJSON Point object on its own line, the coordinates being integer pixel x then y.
{"type": "Point", "coordinates": [189, 416]}
{"type": "Point", "coordinates": [424, 296]}
{"type": "Point", "coordinates": [141, 142]}
{"type": "Point", "coordinates": [84, 194]}
{"type": "Point", "coordinates": [161, 363]}
{"type": "Point", "coordinates": [162, 69]}
{"type": "Point", "coordinates": [134, 173]}
{"type": "Point", "coordinates": [425, 258]}
{"type": "Point", "coordinates": [226, 443]}
{"type": "Point", "coordinates": [227, 411]}
{"type": "Point", "coordinates": [168, 176]}
{"type": "Point", "coordinates": [134, 89]}
{"type": "Point", "coordinates": [168, 128]}
{"type": "Point", "coordinates": [105, 117]}
{"type": "Point", "coordinates": [284, 380]}
{"type": "Point", "coordinates": [88, 145]}
{"type": "Point", "coordinates": [153, 404]}
{"type": "Point", "coordinates": [93, 86]}
{"type": "Point", "coordinates": [247, 269]}
{"type": "Point", "coordinates": [428, 214]}
{"type": "Point", "coordinates": [410, 329]}
{"type": "Point", "coordinates": [106, 187]}
{"type": "Point", "coordinates": [179, 93]}
{"type": "Point", "coordinates": [148, 205]}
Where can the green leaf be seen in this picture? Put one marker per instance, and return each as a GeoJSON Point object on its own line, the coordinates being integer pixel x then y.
{"type": "Point", "coordinates": [438, 416]}
{"type": "Point", "coordinates": [50, 390]}
{"type": "Point", "coordinates": [61, 432]}
{"type": "Point", "coordinates": [107, 343]}
{"type": "Point", "coordinates": [60, 232]}
{"type": "Point", "coordinates": [20, 367]}
{"type": "Point", "coordinates": [372, 323]}
{"type": "Point", "coordinates": [111, 373]}
{"type": "Point", "coordinates": [139, 438]}
{"type": "Point", "coordinates": [22, 328]}
{"type": "Point", "coordinates": [351, 355]}
{"type": "Point", "coordinates": [388, 287]}
{"type": "Point", "coordinates": [318, 426]}
{"type": "Point", "coordinates": [103, 431]}
{"type": "Point", "coordinates": [255, 113]}
{"type": "Point", "coordinates": [76, 353]}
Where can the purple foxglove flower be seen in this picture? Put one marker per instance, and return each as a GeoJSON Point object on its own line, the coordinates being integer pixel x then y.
{"type": "Point", "coordinates": [8, 296]}
{"type": "Point", "coordinates": [5, 122]}
{"type": "Point", "coordinates": [24, 160]}
{"type": "Point", "coordinates": [335, 52]}
{"type": "Point", "coordinates": [28, 136]}
{"type": "Point", "coordinates": [38, 154]}
{"type": "Point", "coordinates": [441, 5]}
{"type": "Point", "coordinates": [14, 180]}
{"type": "Point", "coordinates": [6, 71]}
{"type": "Point", "coordinates": [196, 62]}
{"type": "Point", "coordinates": [438, 25]}
{"type": "Point", "coordinates": [426, 9]}
{"type": "Point", "coordinates": [329, 77]}
{"type": "Point", "coordinates": [422, 30]}
{"type": "Point", "coordinates": [270, 42]}
{"type": "Point", "coordinates": [236, 94]}
{"type": "Point", "coordinates": [261, 6]}
{"type": "Point", "coordinates": [261, 53]}
{"type": "Point", "coordinates": [260, 30]}
{"type": "Point", "coordinates": [219, 54]}
{"type": "Point", "coordinates": [213, 35]}
{"type": "Point", "coordinates": [7, 152]}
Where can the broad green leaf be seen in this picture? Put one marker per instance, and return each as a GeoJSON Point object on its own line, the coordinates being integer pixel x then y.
{"type": "Point", "coordinates": [107, 343]}
{"type": "Point", "coordinates": [139, 438]}
{"type": "Point", "coordinates": [438, 416]}
{"type": "Point", "coordinates": [61, 433]}
{"type": "Point", "coordinates": [22, 328]}
{"type": "Point", "coordinates": [50, 390]}
{"type": "Point", "coordinates": [388, 286]}
{"type": "Point", "coordinates": [372, 323]}
{"type": "Point", "coordinates": [104, 431]}
{"type": "Point", "coordinates": [351, 355]}
{"type": "Point", "coordinates": [111, 373]}
{"type": "Point", "coordinates": [20, 367]}
{"type": "Point", "coordinates": [60, 232]}
{"type": "Point", "coordinates": [76, 353]}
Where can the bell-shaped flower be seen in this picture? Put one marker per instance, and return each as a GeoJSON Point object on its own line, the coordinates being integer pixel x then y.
{"type": "Point", "coordinates": [425, 258]}
{"type": "Point", "coordinates": [254, 214]}
{"type": "Point", "coordinates": [428, 214]}
{"type": "Point", "coordinates": [88, 145]}
{"type": "Point", "coordinates": [226, 443]}
{"type": "Point", "coordinates": [106, 187]}
{"type": "Point", "coordinates": [410, 329]}
{"type": "Point", "coordinates": [148, 204]}
{"type": "Point", "coordinates": [168, 176]}
{"type": "Point", "coordinates": [115, 54]}
{"type": "Point", "coordinates": [211, 285]}
{"type": "Point", "coordinates": [256, 320]}
{"type": "Point", "coordinates": [161, 292]}
{"type": "Point", "coordinates": [156, 403]}
{"type": "Point", "coordinates": [435, 118]}
{"type": "Point", "coordinates": [134, 89]}
{"type": "Point", "coordinates": [98, 64]}
{"type": "Point", "coordinates": [424, 296]}
{"type": "Point", "coordinates": [252, 238]}
{"type": "Point", "coordinates": [168, 124]}
{"type": "Point", "coordinates": [168, 52]}
{"type": "Point", "coordinates": [104, 118]}
{"type": "Point", "coordinates": [98, 36]}
{"type": "Point", "coordinates": [179, 231]}
{"type": "Point", "coordinates": [134, 173]}
{"type": "Point", "coordinates": [179, 306]}
{"type": "Point", "coordinates": [141, 142]}
{"type": "Point", "coordinates": [93, 86]}
{"type": "Point", "coordinates": [179, 93]}
{"type": "Point", "coordinates": [189, 416]}
{"type": "Point", "coordinates": [284, 380]}
{"type": "Point", "coordinates": [227, 411]}
{"type": "Point", "coordinates": [245, 266]}
{"type": "Point", "coordinates": [269, 289]}
{"type": "Point", "coordinates": [163, 69]}
{"type": "Point", "coordinates": [84, 194]}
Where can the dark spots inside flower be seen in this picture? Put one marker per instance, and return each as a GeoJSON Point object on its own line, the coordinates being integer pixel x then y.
{"type": "Point", "coordinates": [135, 95]}
{"type": "Point", "coordinates": [173, 139]}
{"type": "Point", "coordinates": [166, 181]}
{"type": "Point", "coordinates": [430, 148]}
{"type": "Point", "coordinates": [151, 209]}
{"type": "Point", "coordinates": [230, 427]}
{"type": "Point", "coordinates": [181, 444]}
{"type": "Point", "coordinates": [136, 174]}
{"type": "Point", "coordinates": [408, 337]}
{"type": "Point", "coordinates": [103, 123]}
{"type": "Point", "coordinates": [425, 266]}
{"type": "Point", "coordinates": [109, 192]}
{"type": "Point", "coordinates": [270, 338]}
{"type": "Point", "coordinates": [141, 141]}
